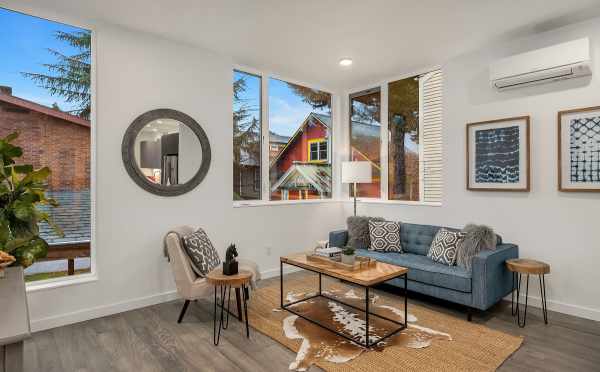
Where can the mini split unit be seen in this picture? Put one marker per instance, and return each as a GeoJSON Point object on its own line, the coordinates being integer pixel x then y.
{"type": "Point", "coordinates": [559, 62]}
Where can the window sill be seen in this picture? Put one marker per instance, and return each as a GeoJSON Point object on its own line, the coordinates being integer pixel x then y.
{"type": "Point", "coordinates": [42, 285]}
{"type": "Point", "coordinates": [263, 203]}
{"type": "Point", "coordinates": [393, 202]}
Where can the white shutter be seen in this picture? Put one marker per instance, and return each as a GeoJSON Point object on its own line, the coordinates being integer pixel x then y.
{"type": "Point", "coordinates": [430, 86]}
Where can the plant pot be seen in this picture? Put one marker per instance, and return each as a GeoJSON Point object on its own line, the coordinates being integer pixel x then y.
{"type": "Point", "coordinates": [348, 259]}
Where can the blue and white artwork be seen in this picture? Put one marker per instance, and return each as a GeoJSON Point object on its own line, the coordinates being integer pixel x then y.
{"type": "Point", "coordinates": [584, 149]}
{"type": "Point", "coordinates": [497, 155]}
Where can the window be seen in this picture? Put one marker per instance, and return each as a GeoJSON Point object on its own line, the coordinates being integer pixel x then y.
{"type": "Point", "coordinates": [45, 95]}
{"type": "Point", "coordinates": [246, 136]}
{"type": "Point", "coordinates": [403, 145]}
{"type": "Point", "coordinates": [412, 139]}
{"type": "Point", "coordinates": [365, 137]}
{"type": "Point", "coordinates": [300, 120]}
{"type": "Point", "coordinates": [317, 150]}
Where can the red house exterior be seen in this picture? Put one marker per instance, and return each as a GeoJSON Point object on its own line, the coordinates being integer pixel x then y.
{"type": "Point", "coordinates": [296, 173]}
{"type": "Point", "coordinates": [49, 138]}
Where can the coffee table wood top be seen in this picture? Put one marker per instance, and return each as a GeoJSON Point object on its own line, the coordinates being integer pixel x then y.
{"type": "Point", "coordinates": [217, 278]}
{"type": "Point", "coordinates": [527, 266]}
{"type": "Point", "coordinates": [370, 276]}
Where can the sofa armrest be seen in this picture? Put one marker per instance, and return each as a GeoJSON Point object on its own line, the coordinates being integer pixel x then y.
{"type": "Point", "coordinates": [338, 238]}
{"type": "Point", "coordinates": [491, 280]}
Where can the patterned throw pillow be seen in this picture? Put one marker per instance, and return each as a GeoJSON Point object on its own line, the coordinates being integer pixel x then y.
{"type": "Point", "coordinates": [203, 255]}
{"type": "Point", "coordinates": [444, 246]}
{"type": "Point", "coordinates": [385, 236]}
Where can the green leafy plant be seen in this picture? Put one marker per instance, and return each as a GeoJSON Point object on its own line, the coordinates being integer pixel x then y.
{"type": "Point", "coordinates": [22, 189]}
{"type": "Point", "coordinates": [348, 250]}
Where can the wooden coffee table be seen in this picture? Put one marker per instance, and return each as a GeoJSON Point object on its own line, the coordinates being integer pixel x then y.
{"type": "Point", "coordinates": [525, 266]}
{"type": "Point", "coordinates": [224, 283]}
{"type": "Point", "coordinates": [367, 278]}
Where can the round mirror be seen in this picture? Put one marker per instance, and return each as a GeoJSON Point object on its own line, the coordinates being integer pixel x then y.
{"type": "Point", "coordinates": [166, 152]}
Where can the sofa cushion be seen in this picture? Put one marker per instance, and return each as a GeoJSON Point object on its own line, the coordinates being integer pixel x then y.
{"type": "Point", "coordinates": [203, 255]}
{"type": "Point", "coordinates": [385, 236]}
{"type": "Point", "coordinates": [358, 231]}
{"type": "Point", "coordinates": [444, 246]}
{"type": "Point", "coordinates": [417, 238]}
{"type": "Point", "coordinates": [423, 269]}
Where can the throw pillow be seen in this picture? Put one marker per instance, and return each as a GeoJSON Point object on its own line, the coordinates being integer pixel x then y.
{"type": "Point", "coordinates": [444, 245]}
{"type": "Point", "coordinates": [478, 238]}
{"type": "Point", "coordinates": [358, 231]}
{"type": "Point", "coordinates": [203, 255]}
{"type": "Point", "coordinates": [385, 236]}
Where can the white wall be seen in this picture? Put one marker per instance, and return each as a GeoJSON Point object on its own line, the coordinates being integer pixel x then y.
{"type": "Point", "coordinates": [136, 73]}
{"type": "Point", "coordinates": [559, 228]}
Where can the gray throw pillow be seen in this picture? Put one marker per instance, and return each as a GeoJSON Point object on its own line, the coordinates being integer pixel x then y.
{"type": "Point", "coordinates": [203, 256]}
{"type": "Point", "coordinates": [444, 245]}
{"type": "Point", "coordinates": [385, 236]}
{"type": "Point", "coordinates": [358, 231]}
{"type": "Point", "coordinates": [478, 238]}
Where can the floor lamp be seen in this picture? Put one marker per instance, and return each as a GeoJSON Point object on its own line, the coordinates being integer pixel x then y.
{"type": "Point", "coordinates": [356, 172]}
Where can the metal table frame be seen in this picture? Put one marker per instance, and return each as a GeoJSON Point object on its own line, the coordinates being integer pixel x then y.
{"type": "Point", "coordinates": [368, 314]}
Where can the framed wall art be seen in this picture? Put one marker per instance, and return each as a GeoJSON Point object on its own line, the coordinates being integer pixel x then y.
{"type": "Point", "coordinates": [498, 155]}
{"type": "Point", "coordinates": [579, 150]}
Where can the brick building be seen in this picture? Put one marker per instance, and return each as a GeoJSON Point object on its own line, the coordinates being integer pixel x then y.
{"type": "Point", "coordinates": [49, 138]}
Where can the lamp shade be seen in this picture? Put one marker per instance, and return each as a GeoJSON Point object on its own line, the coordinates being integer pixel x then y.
{"type": "Point", "coordinates": [356, 172]}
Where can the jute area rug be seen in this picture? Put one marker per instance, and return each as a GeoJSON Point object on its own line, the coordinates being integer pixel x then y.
{"type": "Point", "coordinates": [433, 341]}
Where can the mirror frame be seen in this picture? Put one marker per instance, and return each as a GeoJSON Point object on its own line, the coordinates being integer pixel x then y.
{"type": "Point", "coordinates": [128, 153]}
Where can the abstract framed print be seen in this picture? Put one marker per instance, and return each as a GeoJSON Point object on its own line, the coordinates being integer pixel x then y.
{"type": "Point", "coordinates": [498, 155]}
{"type": "Point", "coordinates": [579, 150]}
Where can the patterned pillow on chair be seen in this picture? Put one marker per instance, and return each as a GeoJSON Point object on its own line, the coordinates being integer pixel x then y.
{"type": "Point", "coordinates": [385, 236]}
{"type": "Point", "coordinates": [203, 256]}
{"type": "Point", "coordinates": [444, 246]}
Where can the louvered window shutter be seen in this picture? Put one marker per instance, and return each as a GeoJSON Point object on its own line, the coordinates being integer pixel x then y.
{"type": "Point", "coordinates": [431, 100]}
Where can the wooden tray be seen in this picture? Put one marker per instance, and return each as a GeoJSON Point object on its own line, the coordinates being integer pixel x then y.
{"type": "Point", "coordinates": [360, 263]}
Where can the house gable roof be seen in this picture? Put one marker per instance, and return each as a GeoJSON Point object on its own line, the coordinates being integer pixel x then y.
{"type": "Point", "coordinates": [302, 175]}
{"type": "Point", "coordinates": [322, 119]}
{"type": "Point", "coordinates": [29, 105]}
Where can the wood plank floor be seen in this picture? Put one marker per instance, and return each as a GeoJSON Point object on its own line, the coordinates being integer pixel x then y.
{"type": "Point", "coordinates": [150, 339]}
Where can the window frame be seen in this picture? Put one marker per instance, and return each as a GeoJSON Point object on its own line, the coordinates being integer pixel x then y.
{"type": "Point", "coordinates": [92, 276]}
{"type": "Point", "coordinates": [383, 87]}
{"type": "Point", "coordinates": [318, 142]}
{"type": "Point", "coordinates": [265, 148]}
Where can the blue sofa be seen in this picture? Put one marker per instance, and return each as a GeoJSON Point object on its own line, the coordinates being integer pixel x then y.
{"type": "Point", "coordinates": [486, 284]}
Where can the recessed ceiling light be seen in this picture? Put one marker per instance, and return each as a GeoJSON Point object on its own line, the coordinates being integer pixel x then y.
{"type": "Point", "coordinates": [345, 62]}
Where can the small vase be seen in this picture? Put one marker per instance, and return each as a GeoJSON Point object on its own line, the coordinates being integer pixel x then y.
{"type": "Point", "coordinates": [348, 259]}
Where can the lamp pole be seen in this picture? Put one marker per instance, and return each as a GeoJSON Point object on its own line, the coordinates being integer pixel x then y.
{"type": "Point", "coordinates": [354, 199]}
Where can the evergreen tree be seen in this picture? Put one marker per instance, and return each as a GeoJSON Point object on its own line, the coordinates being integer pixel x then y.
{"type": "Point", "coordinates": [69, 76]}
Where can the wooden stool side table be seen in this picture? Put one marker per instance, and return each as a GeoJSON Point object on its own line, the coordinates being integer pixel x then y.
{"type": "Point", "coordinates": [224, 283]}
{"type": "Point", "coordinates": [524, 266]}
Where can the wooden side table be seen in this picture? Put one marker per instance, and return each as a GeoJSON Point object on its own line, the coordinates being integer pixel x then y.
{"type": "Point", "coordinates": [520, 266]}
{"type": "Point", "coordinates": [224, 283]}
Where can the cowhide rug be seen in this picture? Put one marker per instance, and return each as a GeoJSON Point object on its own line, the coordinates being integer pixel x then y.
{"type": "Point", "coordinates": [321, 344]}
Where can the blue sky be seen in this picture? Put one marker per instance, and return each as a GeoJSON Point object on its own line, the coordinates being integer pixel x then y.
{"type": "Point", "coordinates": [24, 41]}
{"type": "Point", "coordinates": [286, 109]}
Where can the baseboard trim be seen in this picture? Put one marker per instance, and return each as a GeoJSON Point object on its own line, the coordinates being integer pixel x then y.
{"type": "Point", "coordinates": [100, 311]}
{"type": "Point", "coordinates": [561, 307]}
{"type": "Point", "coordinates": [119, 307]}
{"type": "Point", "coordinates": [272, 273]}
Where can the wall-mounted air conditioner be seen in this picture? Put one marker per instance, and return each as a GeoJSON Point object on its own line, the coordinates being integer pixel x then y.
{"type": "Point", "coordinates": [558, 62]}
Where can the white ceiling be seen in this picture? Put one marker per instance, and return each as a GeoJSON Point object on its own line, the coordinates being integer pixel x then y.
{"type": "Point", "coordinates": [304, 39]}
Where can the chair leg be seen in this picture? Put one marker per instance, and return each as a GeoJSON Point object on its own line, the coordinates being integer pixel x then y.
{"type": "Point", "coordinates": [183, 310]}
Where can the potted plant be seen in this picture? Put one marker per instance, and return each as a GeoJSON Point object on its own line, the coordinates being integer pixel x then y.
{"type": "Point", "coordinates": [22, 189]}
{"type": "Point", "coordinates": [348, 256]}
